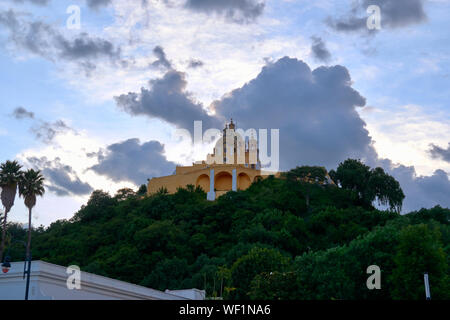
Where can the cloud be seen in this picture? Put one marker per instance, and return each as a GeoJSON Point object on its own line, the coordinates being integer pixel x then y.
{"type": "Point", "coordinates": [420, 191]}
{"type": "Point", "coordinates": [47, 131]}
{"type": "Point", "coordinates": [85, 47]}
{"type": "Point", "coordinates": [315, 111]}
{"type": "Point", "coordinates": [43, 40]}
{"type": "Point", "coordinates": [60, 178]}
{"type": "Point", "coordinates": [162, 59]}
{"type": "Point", "coordinates": [21, 113]}
{"type": "Point", "coordinates": [37, 2]}
{"type": "Point", "coordinates": [95, 4]}
{"type": "Point", "coordinates": [43, 130]}
{"type": "Point", "coordinates": [319, 50]}
{"type": "Point", "coordinates": [168, 100]}
{"type": "Point", "coordinates": [394, 14]}
{"type": "Point", "coordinates": [440, 153]}
{"type": "Point", "coordinates": [239, 11]}
{"type": "Point", "coordinates": [132, 161]}
{"type": "Point", "coordinates": [195, 63]}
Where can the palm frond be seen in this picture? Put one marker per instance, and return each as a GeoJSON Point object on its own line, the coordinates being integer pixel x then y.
{"type": "Point", "coordinates": [10, 173]}
{"type": "Point", "coordinates": [31, 184]}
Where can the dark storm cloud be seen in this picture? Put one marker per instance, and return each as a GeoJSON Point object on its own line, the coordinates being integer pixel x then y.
{"type": "Point", "coordinates": [319, 50]}
{"type": "Point", "coordinates": [167, 99]}
{"type": "Point", "coordinates": [315, 111]}
{"type": "Point", "coordinates": [134, 162]}
{"type": "Point", "coordinates": [240, 11]}
{"type": "Point", "coordinates": [440, 153]}
{"type": "Point", "coordinates": [42, 39]}
{"type": "Point", "coordinates": [195, 63]}
{"type": "Point", "coordinates": [62, 178]}
{"type": "Point", "coordinates": [394, 14]}
{"type": "Point", "coordinates": [420, 191]}
{"type": "Point", "coordinates": [162, 59]}
{"type": "Point", "coordinates": [21, 113]}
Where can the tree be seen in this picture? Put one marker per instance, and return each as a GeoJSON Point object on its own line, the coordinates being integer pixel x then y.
{"type": "Point", "coordinates": [30, 186]}
{"type": "Point", "coordinates": [124, 194]}
{"type": "Point", "coordinates": [10, 176]}
{"type": "Point", "coordinates": [307, 175]}
{"type": "Point", "coordinates": [274, 286]}
{"type": "Point", "coordinates": [385, 189]}
{"type": "Point", "coordinates": [353, 175]}
{"type": "Point", "coordinates": [257, 261]}
{"type": "Point", "coordinates": [243, 244]}
{"type": "Point", "coordinates": [142, 190]}
{"type": "Point", "coordinates": [420, 250]}
{"type": "Point", "coordinates": [369, 184]}
{"type": "Point", "coordinates": [99, 198]}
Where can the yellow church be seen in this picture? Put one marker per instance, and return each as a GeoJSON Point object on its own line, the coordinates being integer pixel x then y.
{"type": "Point", "coordinates": [233, 165]}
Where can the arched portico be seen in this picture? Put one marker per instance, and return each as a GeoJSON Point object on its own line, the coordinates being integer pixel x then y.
{"type": "Point", "coordinates": [203, 182]}
{"type": "Point", "coordinates": [223, 181]}
{"type": "Point", "coordinates": [243, 181]}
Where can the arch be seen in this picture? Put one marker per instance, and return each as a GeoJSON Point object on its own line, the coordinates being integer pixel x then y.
{"type": "Point", "coordinates": [243, 181]}
{"type": "Point", "coordinates": [223, 181]}
{"type": "Point", "coordinates": [203, 182]}
{"type": "Point", "coordinates": [257, 178]}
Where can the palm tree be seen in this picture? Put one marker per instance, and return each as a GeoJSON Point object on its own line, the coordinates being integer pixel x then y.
{"type": "Point", "coordinates": [30, 186]}
{"type": "Point", "coordinates": [10, 176]}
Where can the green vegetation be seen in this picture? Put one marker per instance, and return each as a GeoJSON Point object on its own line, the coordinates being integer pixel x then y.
{"type": "Point", "coordinates": [293, 237]}
{"type": "Point", "coordinates": [30, 184]}
{"type": "Point", "coordinates": [370, 185]}
{"type": "Point", "coordinates": [9, 178]}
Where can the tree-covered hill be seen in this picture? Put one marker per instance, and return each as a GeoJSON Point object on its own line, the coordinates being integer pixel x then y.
{"type": "Point", "coordinates": [293, 237]}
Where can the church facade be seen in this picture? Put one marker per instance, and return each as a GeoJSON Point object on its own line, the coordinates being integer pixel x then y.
{"type": "Point", "coordinates": [234, 165]}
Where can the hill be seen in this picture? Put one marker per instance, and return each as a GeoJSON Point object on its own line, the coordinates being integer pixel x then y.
{"type": "Point", "coordinates": [283, 238]}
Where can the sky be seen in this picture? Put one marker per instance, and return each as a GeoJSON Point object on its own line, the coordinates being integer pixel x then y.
{"type": "Point", "coordinates": [94, 91]}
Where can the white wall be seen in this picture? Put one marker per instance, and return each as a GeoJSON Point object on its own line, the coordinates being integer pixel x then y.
{"type": "Point", "coordinates": [48, 282]}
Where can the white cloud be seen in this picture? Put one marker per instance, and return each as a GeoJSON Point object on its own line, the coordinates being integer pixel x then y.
{"type": "Point", "coordinates": [233, 53]}
{"type": "Point", "coordinates": [404, 134]}
{"type": "Point", "coordinates": [72, 150]}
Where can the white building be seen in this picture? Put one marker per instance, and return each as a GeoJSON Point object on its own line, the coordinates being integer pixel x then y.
{"type": "Point", "coordinates": [49, 282]}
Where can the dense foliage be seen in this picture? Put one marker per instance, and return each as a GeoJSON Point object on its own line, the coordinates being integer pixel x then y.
{"type": "Point", "coordinates": [369, 184]}
{"type": "Point", "coordinates": [283, 238]}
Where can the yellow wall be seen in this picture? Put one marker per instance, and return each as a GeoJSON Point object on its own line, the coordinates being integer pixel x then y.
{"type": "Point", "coordinates": [198, 175]}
